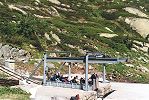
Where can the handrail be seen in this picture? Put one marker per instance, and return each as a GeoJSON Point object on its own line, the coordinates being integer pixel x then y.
{"type": "Point", "coordinates": [67, 85]}
{"type": "Point", "coordinates": [14, 74]}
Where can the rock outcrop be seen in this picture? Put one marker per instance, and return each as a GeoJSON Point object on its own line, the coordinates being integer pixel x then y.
{"type": "Point", "coordinates": [55, 2]}
{"type": "Point", "coordinates": [136, 12]}
{"type": "Point", "coordinates": [107, 35]}
{"type": "Point", "coordinates": [12, 7]}
{"type": "Point", "coordinates": [140, 25]}
{"type": "Point", "coordinates": [7, 51]}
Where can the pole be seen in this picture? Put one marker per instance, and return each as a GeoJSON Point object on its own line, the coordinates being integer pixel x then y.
{"type": "Point", "coordinates": [69, 73]}
{"type": "Point", "coordinates": [45, 65]}
{"type": "Point", "coordinates": [86, 72]}
{"type": "Point", "coordinates": [104, 73]}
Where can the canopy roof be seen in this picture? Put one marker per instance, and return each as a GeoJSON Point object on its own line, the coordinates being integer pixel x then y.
{"type": "Point", "coordinates": [90, 60]}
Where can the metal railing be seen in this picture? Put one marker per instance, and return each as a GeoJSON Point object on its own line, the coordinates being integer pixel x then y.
{"type": "Point", "coordinates": [67, 85]}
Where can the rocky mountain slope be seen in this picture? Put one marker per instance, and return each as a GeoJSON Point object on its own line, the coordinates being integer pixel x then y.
{"type": "Point", "coordinates": [118, 28]}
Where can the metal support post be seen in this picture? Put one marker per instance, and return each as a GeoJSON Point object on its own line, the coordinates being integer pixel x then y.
{"type": "Point", "coordinates": [45, 65]}
{"type": "Point", "coordinates": [69, 73]}
{"type": "Point", "coordinates": [104, 73]}
{"type": "Point", "coordinates": [86, 72]}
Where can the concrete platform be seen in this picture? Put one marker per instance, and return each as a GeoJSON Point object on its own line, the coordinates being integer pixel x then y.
{"type": "Point", "coordinates": [39, 92]}
{"type": "Point", "coordinates": [59, 93]}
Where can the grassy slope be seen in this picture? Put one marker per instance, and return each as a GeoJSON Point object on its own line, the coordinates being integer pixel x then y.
{"type": "Point", "coordinates": [80, 28]}
{"type": "Point", "coordinates": [13, 94]}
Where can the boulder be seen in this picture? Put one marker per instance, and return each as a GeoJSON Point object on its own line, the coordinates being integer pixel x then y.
{"type": "Point", "coordinates": [0, 45]}
{"type": "Point", "coordinates": [37, 2]}
{"type": "Point", "coordinates": [13, 52]}
{"type": "Point", "coordinates": [50, 65]}
{"type": "Point", "coordinates": [143, 69]}
{"type": "Point", "coordinates": [1, 3]}
{"type": "Point", "coordinates": [56, 37]}
{"type": "Point", "coordinates": [52, 55]}
{"type": "Point", "coordinates": [47, 36]}
{"type": "Point", "coordinates": [54, 11]}
{"type": "Point", "coordinates": [55, 2]}
{"type": "Point", "coordinates": [1, 53]}
{"type": "Point", "coordinates": [140, 25]}
{"type": "Point", "coordinates": [107, 35]}
{"type": "Point", "coordinates": [130, 65]}
{"type": "Point", "coordinates": [22, 52]}
{"type": "Point", "coordinates": [5, 51]}
{"type": "Point", "coordinates": [103, 89]}
{"type": "Point", "coordinates": [90, 67]}
{"type": "Point", "coordinates": [80, 66]}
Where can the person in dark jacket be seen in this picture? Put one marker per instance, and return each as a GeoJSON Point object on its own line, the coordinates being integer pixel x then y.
{"type": "Point", "coordinates": [82, 81]}
{"type": "Point", "coordinates": [74, 80]}
{"type": "Point", "coordinates": [93, 76]}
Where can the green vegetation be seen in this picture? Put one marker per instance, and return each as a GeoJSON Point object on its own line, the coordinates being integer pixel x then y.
{"type": "Point", "coordinates": [2, 75]}
{"type": "Point", "coordinates": [13, 93]}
